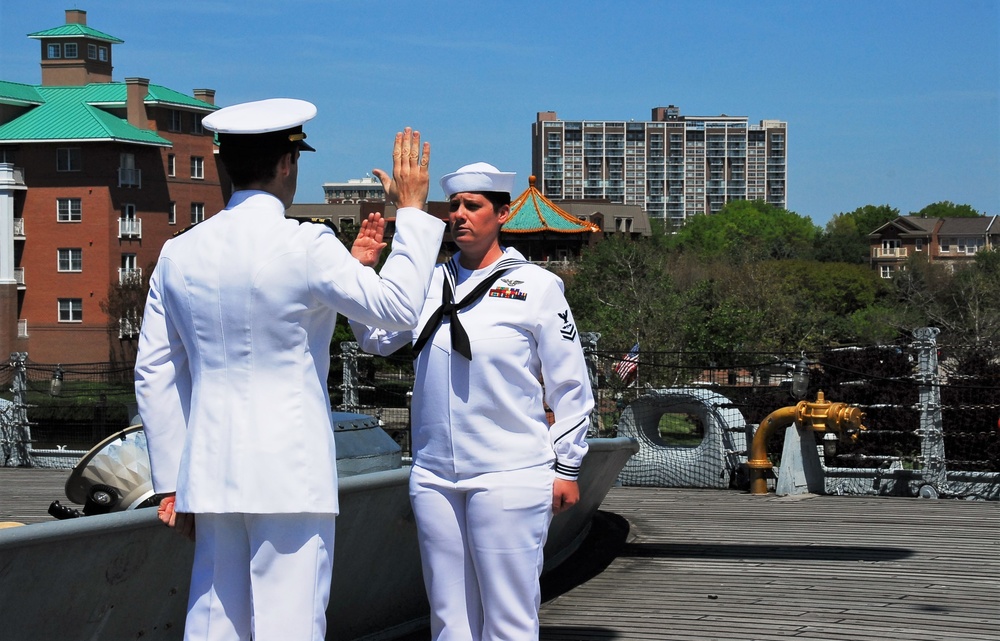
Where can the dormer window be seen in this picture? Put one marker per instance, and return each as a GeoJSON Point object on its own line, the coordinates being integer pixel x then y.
{"type": "Point", "coordinates": [54, 51]}
{"type": "Point", "coordinates": [70, 50]}
{"type": "Point", "coordinates": [92, 52]}
{"type": "Point", "coordinates": [102, 54]}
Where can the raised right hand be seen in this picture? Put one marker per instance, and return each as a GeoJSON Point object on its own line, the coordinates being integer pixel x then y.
{"type": "Point", "coordinates": [410, 181]}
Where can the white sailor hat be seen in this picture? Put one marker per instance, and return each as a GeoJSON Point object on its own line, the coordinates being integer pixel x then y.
{"type": "Point", "coordinates": [274, 121]}
{"type": "Point", "coordinates": [479, 176]}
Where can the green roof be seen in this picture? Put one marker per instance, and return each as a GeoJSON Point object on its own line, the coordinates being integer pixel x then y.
{"type": "Point", "coordinates": [72, 30]}
{"type": "Point", "coordinates": [80, 113]}
{"type": "Point", "coordinates": [14, 93]}
{"type": "Point", "coordinates": [532, 212]}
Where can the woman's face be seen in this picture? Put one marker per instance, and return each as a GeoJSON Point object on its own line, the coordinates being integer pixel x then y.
{"type": "Point", "coordinates": [475, 224]}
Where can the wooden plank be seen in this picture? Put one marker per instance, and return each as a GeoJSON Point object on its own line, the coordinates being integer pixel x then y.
{"type": "Point", "coordinates": [700, 565]}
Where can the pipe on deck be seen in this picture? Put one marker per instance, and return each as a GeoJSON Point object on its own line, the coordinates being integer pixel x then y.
{"type": "Point", "coordinates": [819, 415]}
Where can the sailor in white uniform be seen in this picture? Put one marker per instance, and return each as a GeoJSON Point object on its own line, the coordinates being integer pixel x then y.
{"type": "Point", "coordinates": [231, 374]}
{"type": "Point", "coordinates": [496, 343]}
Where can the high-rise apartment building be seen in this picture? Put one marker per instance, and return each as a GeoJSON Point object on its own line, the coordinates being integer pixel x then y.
{"type": "Point", "coordinates": [673, 166]}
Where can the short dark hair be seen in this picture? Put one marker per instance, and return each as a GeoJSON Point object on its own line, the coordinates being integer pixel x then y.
{"type": "Point", "coordinates": [253, 163]}
{"type": "Point", "coordinates": [498, 198]}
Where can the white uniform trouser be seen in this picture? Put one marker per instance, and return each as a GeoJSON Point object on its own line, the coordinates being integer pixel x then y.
{"type": "Point", "coordinates": [481, 538]}
{"type": "Point", "coordinates": [260, 575]}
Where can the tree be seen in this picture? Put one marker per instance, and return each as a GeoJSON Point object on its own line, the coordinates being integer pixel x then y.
{"type": "Point", "coordinates": [964, 302]}
{"type": "Point", "coordinates": [947, 209]}
{"type": "Point", "coordinates": [123, 307]}
{"type": "Point", "coordinates": [623, 289]}
{"type": "Point", "coordinates": [845, 238]}
{"type": "Point", "coordinates": [748, 230]}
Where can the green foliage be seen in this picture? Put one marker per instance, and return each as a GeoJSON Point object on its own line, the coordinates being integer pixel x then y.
{"type": "Point", "coordinates": [748, 230]}
{"type": "Point", "coordinates": [623, 289]}
{"type": "Point", "coordinates": [947, 209]}
{"type": "Point", "coordinates": [845, 238]}
{"type": "Point", "coordinates": [963, 302]}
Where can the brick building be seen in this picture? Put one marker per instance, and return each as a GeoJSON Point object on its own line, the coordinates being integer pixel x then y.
{"type": "Point", "coordinates": [952, 241]}
{"type": "Point", "coordinates": [95, 175]}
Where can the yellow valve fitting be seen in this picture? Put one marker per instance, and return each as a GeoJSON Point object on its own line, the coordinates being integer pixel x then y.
{"type": "Point", "coordinates": [819, 415]}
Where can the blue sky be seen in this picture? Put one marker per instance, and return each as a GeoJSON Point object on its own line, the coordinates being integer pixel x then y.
{"type": "Point", "coordinates": [887, 101]}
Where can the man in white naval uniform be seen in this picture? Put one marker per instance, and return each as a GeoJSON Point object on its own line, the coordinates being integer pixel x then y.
{"type": "Point", "coordinates": [231, 374]}
{"type": "Point", "coordinates": [488, 470]}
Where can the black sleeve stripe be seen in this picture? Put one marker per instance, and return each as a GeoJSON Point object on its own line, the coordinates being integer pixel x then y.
{"type": "Point", "coordinates": [567, 470]}
{"type": "Point", "coordinates": [572, 429]}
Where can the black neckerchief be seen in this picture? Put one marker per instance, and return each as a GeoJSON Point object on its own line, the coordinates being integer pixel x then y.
{"type": "Point", "coordinates": [450, 309]}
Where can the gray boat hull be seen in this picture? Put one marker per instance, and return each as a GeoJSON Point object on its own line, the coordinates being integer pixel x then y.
{"type": "Point", "coordinates": [125, 576]}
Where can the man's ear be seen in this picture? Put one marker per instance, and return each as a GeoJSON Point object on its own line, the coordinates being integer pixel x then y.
{"type": "Point", "coordinates": [285, 164]}
{"type": "Point", "coordinates": [504, 213]}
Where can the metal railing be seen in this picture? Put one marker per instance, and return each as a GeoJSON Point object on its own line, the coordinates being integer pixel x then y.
{"type": "Point", "coordinates": [130, 228]}
{"type": "Point", "coordinates": [129, 177]}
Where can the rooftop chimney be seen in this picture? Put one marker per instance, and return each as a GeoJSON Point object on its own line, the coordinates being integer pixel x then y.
{"type": "Point", "coordinates": [135, 102]}
{"type": "Point", "coordinates": [76, 16]}
{"type": "Point", "coordinates": [205, 95]}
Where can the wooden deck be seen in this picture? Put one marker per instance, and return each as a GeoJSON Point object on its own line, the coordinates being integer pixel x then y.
{"type": "Point", "coordinates": [704, 565]}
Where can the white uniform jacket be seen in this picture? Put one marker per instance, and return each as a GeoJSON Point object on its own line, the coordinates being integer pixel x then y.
{"type": "Point", "coordinates": [234, 352]}
{"type": "Point", "coordinates": [487, 415]}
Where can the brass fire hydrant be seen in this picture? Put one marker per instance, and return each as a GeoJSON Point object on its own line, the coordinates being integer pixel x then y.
{"type": "Point", "coordinates": [820, 415]}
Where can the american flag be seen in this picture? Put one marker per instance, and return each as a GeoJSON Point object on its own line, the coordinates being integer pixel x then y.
{"type": "Point", "coordinates": [629, 364]}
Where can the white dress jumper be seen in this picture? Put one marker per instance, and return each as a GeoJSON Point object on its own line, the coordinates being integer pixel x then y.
{"type": "Point", "coordinates": [485, 456]}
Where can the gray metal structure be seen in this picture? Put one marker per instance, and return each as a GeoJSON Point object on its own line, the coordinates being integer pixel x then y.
{"type": "Point", "coordinates": [124, 575]}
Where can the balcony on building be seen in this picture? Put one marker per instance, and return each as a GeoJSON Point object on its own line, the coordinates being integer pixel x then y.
{"type": "Point", "coordinates": [129, 275]}
{"type": "Point", "coordinates": [130, 228]}
{"type": "Point", "coordinates": [12, 176]}
{"type": "Point", "coordinates": [19, 278]}
{"type": "Point", "coordinates": [129, 177]}
{"type": "Point", "coordinates": [22, 328]}
{"type": "Point", "coordinates": [129, 328]}
{"type": "Point", "coordinates": [19, 229]}
{"type": "Point", "coordinates": [890, 252]}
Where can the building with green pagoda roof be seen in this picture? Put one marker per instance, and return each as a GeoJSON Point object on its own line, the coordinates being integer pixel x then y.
{"type": "Point", "coordinates": [95, 175]}
{"type": "Point", "coordinates": [546, 231]}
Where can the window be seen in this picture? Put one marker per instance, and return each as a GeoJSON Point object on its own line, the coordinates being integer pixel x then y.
{"type": "Point", "coordinates": [69, 210]}
{"type": "Point", "coordinates": [196, 127]}
{"type": "Point", "coordinates": [70, 50]}
{"type": "Point", "coordinates": [54, 51]}
{"type": "Point", "coordinates": [197, 213]}
{"type": "Point", "coordinates": [92, 51]}
{"type": "Point", "coordinates": [172, 214]}
{"type": "Point", "coordinates": [171, 165]}
{"type": "Point", "coordinates": [70, 310]}
{"type": "Point", "coordinates": [128, 174]}
{"type": "Point", "coordinates": [885, 271]}
{"type": "Point", "coordinates": [176, 121]}
{"type": "Point", "coordinates": [946, 245]}
{"type": "Point", "coordinates": [68, 159]}
{"type": "Point", "coordinates": [197, 167]}
{"type": "Point", "coordinates": [102, 54]}
{"type": "Point", "coordinates": [70, 260]}
{"type": "Point", "coordinates": [918, 244]}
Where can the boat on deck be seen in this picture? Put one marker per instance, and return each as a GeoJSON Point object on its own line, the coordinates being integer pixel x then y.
{"type": "Point", "coordinates": [123, 575]}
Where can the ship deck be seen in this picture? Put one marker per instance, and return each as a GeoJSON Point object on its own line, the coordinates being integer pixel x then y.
{"type": "Point", "coordinates": [698, 565]}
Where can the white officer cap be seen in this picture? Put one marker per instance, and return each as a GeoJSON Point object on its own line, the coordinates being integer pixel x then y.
{"type": "Point", "coordinates": [262, 122]}
{"type": "Point", "coordinates": [479, 176]}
